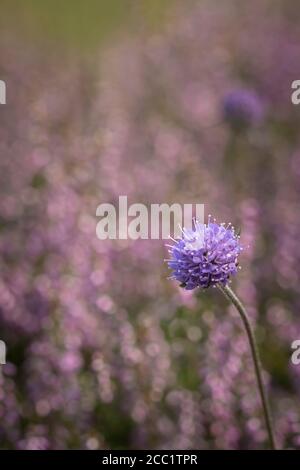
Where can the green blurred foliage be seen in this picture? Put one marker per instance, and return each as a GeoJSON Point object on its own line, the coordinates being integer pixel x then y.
{"type": "Point", "coordinates": [80, 22]}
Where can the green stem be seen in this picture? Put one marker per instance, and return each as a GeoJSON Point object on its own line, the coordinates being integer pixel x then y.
{"type": "Point", "coordinates": [255, 356]}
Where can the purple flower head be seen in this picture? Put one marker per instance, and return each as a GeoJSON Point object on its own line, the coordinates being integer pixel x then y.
{"type": "Point", "coordinates": [205, 255]}
{"type": "Point", "coordinates": [242, 108]}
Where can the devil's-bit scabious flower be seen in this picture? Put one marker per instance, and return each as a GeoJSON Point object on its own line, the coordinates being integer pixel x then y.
{"type": "Point", "coordinates": [242, 108]}
{"type": "Point", "coordinates": [205, 256]}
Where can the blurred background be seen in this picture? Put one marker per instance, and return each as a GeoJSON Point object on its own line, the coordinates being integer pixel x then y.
{"type": "Point", "coordinates": [163, 101]}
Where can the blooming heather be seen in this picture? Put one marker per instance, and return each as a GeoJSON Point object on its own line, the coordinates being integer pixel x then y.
{"type": "Point", "coordinates": [97, 358]}
{"type": "Point", "coordinates": [205, 256]}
